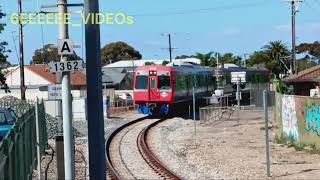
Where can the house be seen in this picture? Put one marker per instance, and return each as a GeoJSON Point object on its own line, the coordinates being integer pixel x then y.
{"type": "Point", "coordinates": [117, 78]}
{"type": "Point", "coordinates": [37, 79]}
{"type": "Point", "coordinates": [304, 81]}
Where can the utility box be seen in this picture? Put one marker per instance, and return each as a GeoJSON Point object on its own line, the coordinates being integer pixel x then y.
{"type": "Point", "coordinates": [218, 92]}
{"type": "Point", "coordinates": [314, 93]}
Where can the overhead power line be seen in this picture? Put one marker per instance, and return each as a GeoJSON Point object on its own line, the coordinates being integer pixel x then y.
{"type": "Point", "coordinates": [203, 10]}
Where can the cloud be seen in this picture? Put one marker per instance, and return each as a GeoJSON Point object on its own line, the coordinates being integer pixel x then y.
{"type": "Point", "coordinates": [307, 27]}
{"type": "Point", "coordinates": [153, 43]}
{"type": "Point", "coordinates": [231, 31]}
{"type": "Point", "coordinates": [283, 27]}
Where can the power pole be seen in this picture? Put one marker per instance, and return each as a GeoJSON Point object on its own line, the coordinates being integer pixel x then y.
{"type": "Point", "coordinates": [21, 59]}
{"type": "Point", "coordinates": [293, 33]}
{"type": "Point", "coordinates": [97, 165]}
{"type": "Point", "coordinates": [294, 10]}
{"type": "Point", "coordinates": [66, 100]}
{"type": "Point", "coordinates": [170, 49]}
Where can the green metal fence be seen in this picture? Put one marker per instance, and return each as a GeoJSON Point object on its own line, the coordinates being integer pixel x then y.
{"type": "Point", "coordinates": [18, 150]}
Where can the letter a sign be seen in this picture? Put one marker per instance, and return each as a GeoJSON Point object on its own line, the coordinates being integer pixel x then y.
{"type": "Point", "coordinates": [65, 47]}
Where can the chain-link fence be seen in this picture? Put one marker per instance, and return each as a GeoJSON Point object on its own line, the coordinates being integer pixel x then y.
{"type": "Point", "coordinates": [209, 114]}
{"type": "Point", "coordinates": [18, 106]}
{"type": "Point", "coordinates": [120, 106]}
{"type": "Point", "coordinates": [18, 149]}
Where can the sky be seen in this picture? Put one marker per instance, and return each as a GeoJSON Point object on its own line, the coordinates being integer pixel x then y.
{"type": "Point", "coordinates": [236, 26]}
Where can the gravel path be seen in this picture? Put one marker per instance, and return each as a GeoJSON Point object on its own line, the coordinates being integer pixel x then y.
{"type": "Point", "coordinates": [127, 159]}
{"type": "Point", "coordinates": [81, 144]}
{"type": "Point", "coordinates": [228, 149]}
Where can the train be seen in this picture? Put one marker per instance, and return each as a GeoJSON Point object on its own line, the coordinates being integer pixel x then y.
{"type": "Point", "coordinates": [161, 89]}
{"type": "Point", "coordinates": [157, 89]}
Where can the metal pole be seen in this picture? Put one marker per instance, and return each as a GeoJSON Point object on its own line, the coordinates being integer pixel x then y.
{"type": "Point", "coordinates": [217, 73]}
{"type": "Point", "coordinates": [293, 23]}
{"type": "Point", "coordinates": [238, 92]}
{"type": "Point", "coordinates": [38, 140]}
{"type": "Point", "coordinates": [97, 166]}
{"type": "Point", "coordinates": [59, 117]}
{"type": "Point", "coordinates": [170, 49]}
{"type": "Point", "coordinates": [265, 105]}
{"type": "Point", "coordinates": [66, 101]}
{"type": "Point", "coordinates": [59, 143]}
{"type": "Point", "coordinates": [194, 108]}
{"type": "Point", "coordinates": [21, 59]}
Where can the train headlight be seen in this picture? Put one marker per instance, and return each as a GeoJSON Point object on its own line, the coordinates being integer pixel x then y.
{"type": "Point", "coordinates": [154, 73]}
{"type": "Point", "coordinates": [164, 94]}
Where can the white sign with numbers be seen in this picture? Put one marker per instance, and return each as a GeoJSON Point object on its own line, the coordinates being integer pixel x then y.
{"type": "Point", "coordinates": [66, 66]}
{"type": "Point", "coordinates": [65, 47]}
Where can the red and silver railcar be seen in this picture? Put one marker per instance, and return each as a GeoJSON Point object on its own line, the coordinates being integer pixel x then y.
{"type": "Point", "coordinates": [157, 88]}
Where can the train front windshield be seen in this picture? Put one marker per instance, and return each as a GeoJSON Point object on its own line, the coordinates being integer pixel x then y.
{"type": "Point", "coordinates": [164, 82]}
{"type": "Point", "coordinates": [141, 82]}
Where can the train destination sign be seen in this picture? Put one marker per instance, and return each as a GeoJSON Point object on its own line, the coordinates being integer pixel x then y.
{"type": "Point", "coordinates": [66, 66]}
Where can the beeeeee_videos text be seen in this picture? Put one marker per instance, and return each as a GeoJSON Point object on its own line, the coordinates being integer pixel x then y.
{"type": "Point", "coordinates": [66, 18]}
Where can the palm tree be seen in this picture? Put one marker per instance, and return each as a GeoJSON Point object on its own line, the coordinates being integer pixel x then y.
{"type": "Point", "coordinates": [276, 49]}
{"type": "Point", "coordinates": [205, 58]}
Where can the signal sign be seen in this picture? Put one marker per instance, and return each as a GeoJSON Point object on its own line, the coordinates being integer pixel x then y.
{"type": "Point", "coordinates": [66, 66]}
{"type": "Point", "coordinates": [65, 47]}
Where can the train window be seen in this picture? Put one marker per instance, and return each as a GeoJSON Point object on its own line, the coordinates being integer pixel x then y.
{"type": "Point", "coordinates": [2, 118]}
{"type": "Point", "coordinates": [164, 82]}
{"type": "Point", "coordinates": [141, 82]}
{"type": "Point", "coordinates": [153, 82]}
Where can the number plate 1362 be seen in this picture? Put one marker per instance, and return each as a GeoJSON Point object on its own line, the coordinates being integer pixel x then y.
{"type": "Point", "coordinates": [66, 66]}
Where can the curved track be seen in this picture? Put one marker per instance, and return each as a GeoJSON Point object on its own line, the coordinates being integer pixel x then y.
{"type": "Point", "coordinates": [129, 158]}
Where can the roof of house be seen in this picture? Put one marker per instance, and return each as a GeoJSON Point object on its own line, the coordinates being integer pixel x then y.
{"type": "Point", "coordinates": [309, 75]}
{"type": "Point", "coordinates": [113, 75]}
{"type": "Point", "coordinates": [76, 77]}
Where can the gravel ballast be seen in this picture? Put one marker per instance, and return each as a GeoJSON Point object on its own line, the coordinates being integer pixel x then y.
{"type": "Point", "coordinates": [228, 149]}
{"type": "Point", "coordinates": [81, 144]}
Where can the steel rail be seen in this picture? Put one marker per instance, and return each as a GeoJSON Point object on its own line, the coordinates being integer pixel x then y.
{"type": "Point", "coordinates": [144, 149]}
{"type": "Point", "coordinates": [149, 156]}
{"type": "Point", "coordinates": [111, 170]}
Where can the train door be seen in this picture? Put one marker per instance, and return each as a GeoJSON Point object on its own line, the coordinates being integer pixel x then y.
{"type": "Point", "coordinates": [153, 90]}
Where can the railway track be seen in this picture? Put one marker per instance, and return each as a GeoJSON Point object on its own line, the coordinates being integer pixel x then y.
{"type": "Point", "coordinates": [128, 155]}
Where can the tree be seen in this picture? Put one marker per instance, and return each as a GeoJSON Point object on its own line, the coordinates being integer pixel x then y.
{"type": "Point", "coordinates": [311, 49]}
{"type": "Point", "coordinates": [149, 63]}
{"type": "Point", "coordinates": [164, 63]}
{"type": "Point", "coordinates": [3, 56]}
{"type": "Point", "coordinates": [276, 51]}
{"type": "Point", "coordinates": [305, 63]}
{"type": "Point", "coordinates": [185, 57]}
{"type": "Point", "coordinates": [118, 51]}
{"type": "Point", "coordinates": [229, 58]}
{"type": "Point", "coordinates": [204, 58]}
{"type": "Point", "coordinates": [49, 53]}
{"type": "Point", "coordinates": [259, 58]}
{"type": "Point", "coordinates": [224, 58]}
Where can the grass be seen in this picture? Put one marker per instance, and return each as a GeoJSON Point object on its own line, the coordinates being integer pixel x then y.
{"type": "Point", "coordinates": [286, 141]}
